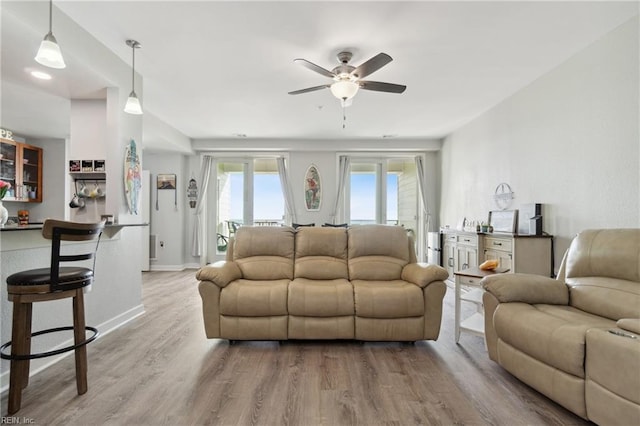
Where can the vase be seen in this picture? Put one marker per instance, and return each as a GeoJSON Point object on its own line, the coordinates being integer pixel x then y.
{"type": "Point", "coordinates": [4, 214]}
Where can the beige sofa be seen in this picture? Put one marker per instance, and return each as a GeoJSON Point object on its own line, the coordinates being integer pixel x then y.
{"type": "Point", "coordinates": [558, 335]}
{"type": "Point", "coordinates": [322, 283]}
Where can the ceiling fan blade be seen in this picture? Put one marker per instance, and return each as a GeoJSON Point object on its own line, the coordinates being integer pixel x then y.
{"type": "Point", "coordinates": [309, 89]}
{"type": "Point", "coordinates": [372, 65]}
{"type": "Point", "coordinates": [314, 67]}
{"type": "Point", "coordinates": [382, 87]}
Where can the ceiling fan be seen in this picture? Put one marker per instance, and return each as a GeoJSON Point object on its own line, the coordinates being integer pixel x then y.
{"type": "Point", "coordinates": [348, 79]}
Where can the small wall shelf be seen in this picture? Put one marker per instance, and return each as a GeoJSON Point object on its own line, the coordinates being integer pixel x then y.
{"type": "Point", "coordinates": [88, 176]}
{"type": "Point", "coordinates": [90, 188]}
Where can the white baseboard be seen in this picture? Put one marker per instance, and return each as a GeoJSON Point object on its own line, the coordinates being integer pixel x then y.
{"type": "Point", "coordinates": [38, 365]}
{"type": "Point", "coordinates": [167, 268]}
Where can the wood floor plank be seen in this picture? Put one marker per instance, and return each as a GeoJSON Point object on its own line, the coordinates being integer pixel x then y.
{"type": "Point", "coordinates": [161, 370]}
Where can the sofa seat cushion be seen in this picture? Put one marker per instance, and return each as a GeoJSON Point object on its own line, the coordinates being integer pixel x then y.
{"type": "Point", "coordinates": [249, 298]}
{"type": "Point", "coordinates": [552, 334]}
{"type": "Point", "coordinates": [387, 299]}
{"type": "Point", "coordinates": [320, 298]}
{"type": "Point", "coordinates": [383, 268]}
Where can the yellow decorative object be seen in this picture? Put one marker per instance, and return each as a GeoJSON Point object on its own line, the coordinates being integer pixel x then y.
{"type": "Point", "coordinates": [489, 265]}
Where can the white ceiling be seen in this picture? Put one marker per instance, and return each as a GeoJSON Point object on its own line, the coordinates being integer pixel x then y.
{"type": "Point", "coordinates": [213, 69]}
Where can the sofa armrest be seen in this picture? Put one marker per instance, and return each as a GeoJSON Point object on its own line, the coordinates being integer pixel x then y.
{"type": "Point", "coordinates": [629, 324]}
{"type": "Point", "coordinates": [526, 288]}
{"type": "Point", "coordinates": [220, 273]}
{"type": "Point", "coordinates": [422, 274]}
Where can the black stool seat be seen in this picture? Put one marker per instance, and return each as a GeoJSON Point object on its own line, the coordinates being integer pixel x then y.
{"type": "Point", "coordinates": [68, 277]}
{"type": "Point", "coordinates": [46, 284]}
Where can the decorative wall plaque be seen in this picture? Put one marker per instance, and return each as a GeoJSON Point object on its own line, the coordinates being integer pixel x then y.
{"type": "Point", "coordinates": [503, 196]}
{"type": "Point", "coordinates": [312, 189]}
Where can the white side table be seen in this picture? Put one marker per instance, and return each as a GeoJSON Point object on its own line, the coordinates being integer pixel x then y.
{"type": "Point", "coordinates": [468, 290]}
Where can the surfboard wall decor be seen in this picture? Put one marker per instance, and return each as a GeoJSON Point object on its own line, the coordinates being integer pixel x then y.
{"type": "Point", "coordinates": [312, 189]}
{"type": "Point", "coordinates": [132, 177]}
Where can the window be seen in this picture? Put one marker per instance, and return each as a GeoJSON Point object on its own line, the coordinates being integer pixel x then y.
{"type": "Point", "coordinates": [363, 193]}
{"type": "Point", "coordinates": [385, 191]}
{"type": "Point", "coordinates": [268, 201]}
{"type": "Point", "coordinates": [249, 192]}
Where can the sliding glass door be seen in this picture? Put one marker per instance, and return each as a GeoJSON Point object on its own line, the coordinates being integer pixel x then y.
{"type": "Point", "coordinates": [385, 191]}
{"type": "Point", "coordinates": [268, 200]}
{"type": "Point", "coordinates": [248, 193]}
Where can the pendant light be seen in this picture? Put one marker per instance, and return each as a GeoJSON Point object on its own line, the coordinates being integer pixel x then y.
{"type": "Point", "coordinates": [49, 53]}
{"type": "Point", "coordinates": [133, 103]}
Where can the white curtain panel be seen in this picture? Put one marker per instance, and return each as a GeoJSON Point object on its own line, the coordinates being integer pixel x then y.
{"type": "Point", "coordinates": [343, 175]}
{"type": "Point", "coordinates": [422, 188]}
{"type": "Point", "coordinates": [205, 172]}
{"type": "Point", "coordinates": [286, 190]}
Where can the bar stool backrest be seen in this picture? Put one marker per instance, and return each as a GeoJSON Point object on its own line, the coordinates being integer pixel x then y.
{"type": "Point", "coordinates": [58, 231]}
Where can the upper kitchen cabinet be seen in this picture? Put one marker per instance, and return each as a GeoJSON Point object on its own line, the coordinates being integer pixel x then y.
{"type": "Point", "coordinates": [21, 166]}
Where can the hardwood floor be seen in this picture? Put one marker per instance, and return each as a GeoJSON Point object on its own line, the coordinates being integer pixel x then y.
{"type": "Point", "coordinates": [160, 369]}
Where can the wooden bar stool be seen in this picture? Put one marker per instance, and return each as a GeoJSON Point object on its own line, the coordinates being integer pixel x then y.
{"type": "Point", "coordinates": [53, 283]}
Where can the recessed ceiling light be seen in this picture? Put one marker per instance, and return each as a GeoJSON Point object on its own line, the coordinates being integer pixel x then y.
{"type": "Point", "coordinates": [41, 75]}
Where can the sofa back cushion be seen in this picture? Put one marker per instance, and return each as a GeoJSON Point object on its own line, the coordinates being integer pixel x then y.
{"type": "Point", "coordinates": [321, 253]}
{"type": "Point", "coordinates": [377, 252]}
{"type": "Point", "coordinates": [603, 272]}
{"type": "Point", "coordinates": [264, 252]}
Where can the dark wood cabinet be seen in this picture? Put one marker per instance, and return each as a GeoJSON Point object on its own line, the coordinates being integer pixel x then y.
{"type": "Point", "coordinates": [21, 166]}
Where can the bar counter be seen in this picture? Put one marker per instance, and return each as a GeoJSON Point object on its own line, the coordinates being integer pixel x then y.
{"type": "Point", "coordinates": [39, 225]}
{"type": "Point", "coordinates": [116, 294]}
{"type": "Point", "coordinates": [109, 230]}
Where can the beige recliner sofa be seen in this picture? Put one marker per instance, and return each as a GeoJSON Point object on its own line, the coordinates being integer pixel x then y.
{"type": "Point", "coordinates": [576, 339]}
{"type": "Point", "coordinates": [322, 283]}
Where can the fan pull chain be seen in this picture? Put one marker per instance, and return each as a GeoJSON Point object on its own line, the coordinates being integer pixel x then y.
{"type": "Point", "coordinates": [344, 116]}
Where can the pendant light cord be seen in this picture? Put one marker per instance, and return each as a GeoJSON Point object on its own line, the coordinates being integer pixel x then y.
{"type": "Point", "coordinates": [133, 67]}
{"type": "Point", "coordinates": [344, 116]}
{"type": "Point", "coordinates": [50, 16]}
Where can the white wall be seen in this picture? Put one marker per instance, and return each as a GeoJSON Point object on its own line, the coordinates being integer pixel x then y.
{"type": "Point", "coordinates": [325, 162]}
{"type": "Point", "coordinates": [175, 227]}
{"type": "Point", "coordinates": [169, 221]}
{"type": "Point", "coordinates": [88, 129]}
{"type": "Point", "coordinates": [569, 140]}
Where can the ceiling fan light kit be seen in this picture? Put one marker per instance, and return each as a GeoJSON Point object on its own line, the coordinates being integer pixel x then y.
{"type": "Point", "coordinates": [133, 103]}
{"type": "Point", "coordinates": [344, 89]}
{"type": "Point", "coordinates": [49, 53]}
{"type": "Point", "coordinates": [348, 79]}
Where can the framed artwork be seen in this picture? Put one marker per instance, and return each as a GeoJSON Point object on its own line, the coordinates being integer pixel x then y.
{"type": "Point", "coordinates": [166, 181]}
{"type": "Point", "coordinates": [98, 166]}
{"type": "Point", "coordinates": [87, 165]}
{"type": "Point", "coordinates": [312, 189]}
{"type": "Point", "coordinates": [504, 220]}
